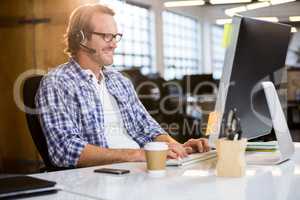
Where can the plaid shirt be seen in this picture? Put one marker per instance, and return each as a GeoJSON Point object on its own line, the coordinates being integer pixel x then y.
{"type": "Point", "coordinates": [71, 113]}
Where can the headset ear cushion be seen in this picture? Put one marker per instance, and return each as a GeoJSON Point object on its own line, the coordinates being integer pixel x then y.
{"type": "Point", "coordinates": [81, 36]}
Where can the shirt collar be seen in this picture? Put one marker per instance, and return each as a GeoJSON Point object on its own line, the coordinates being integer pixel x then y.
{"type": "Point", "coordinates": [78, 70]}
{"type": "Point", "coordinates": [93, 76]}
{"type": "Point", "coordinates": [85, 74]}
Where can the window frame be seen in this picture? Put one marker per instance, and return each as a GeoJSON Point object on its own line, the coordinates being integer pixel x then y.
{"type": "Point", "coordinates": [195, 50]}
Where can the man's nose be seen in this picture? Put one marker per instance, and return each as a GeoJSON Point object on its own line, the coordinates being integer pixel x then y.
{"type": "Point", "coordinates": [113, 43]}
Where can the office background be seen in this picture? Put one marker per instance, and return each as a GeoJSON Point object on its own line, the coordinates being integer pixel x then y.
{"type": "Point", "coordinates": [160, 44]}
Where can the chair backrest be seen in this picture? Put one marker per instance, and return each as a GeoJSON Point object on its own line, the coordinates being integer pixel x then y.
{"type": "Point", "coordinates": [1, 166]}
{"type": "Point", "coordinates": [30, 88]}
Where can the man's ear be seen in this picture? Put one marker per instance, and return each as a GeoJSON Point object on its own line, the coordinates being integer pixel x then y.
{"type": "Point", "coordinates": [82, 37]}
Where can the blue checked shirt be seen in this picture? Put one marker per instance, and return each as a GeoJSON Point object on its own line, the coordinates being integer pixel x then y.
{"type": "Point", "coordinates": [71, 114]}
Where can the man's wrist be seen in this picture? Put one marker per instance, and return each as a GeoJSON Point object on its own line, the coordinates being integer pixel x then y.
{"type": "Point", "coordinates": [164, 137]}
{"type": "Point", "coordinates": [136, 155]}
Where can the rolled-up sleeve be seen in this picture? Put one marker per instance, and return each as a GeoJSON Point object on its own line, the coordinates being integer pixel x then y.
{"type": "Point", "coordinates": [65, 143]}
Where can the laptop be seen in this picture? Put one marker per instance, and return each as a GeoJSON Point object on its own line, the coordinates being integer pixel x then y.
{"type": "Point", "coordinates": [23, 185]}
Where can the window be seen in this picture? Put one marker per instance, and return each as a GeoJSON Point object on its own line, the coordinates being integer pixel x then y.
{"type": "Point", "coordinates": [181, 45]}
{"type": "Point", "coordinates": [135, 22]}
{"type": "Point", "coordinates": [218, 52]}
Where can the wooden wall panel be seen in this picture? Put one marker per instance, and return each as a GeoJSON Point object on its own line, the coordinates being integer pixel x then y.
{"type": "Point", "coordinates": [16, 40]}
{"type": "Point", "coordinates": [49, 37]}
{"type": "Point", "coordinates": [24, 47]}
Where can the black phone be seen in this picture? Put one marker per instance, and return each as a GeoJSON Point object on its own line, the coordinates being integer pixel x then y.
{"type": "Point", "coordinates": [112, 171]}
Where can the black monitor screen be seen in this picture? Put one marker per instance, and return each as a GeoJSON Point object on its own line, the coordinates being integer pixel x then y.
{"type": "Point", "coordinates": [257, 53]}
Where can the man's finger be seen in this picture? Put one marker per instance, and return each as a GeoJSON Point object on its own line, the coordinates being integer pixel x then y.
{"type": "Point", "coordinates": [178, 149]}
{"type": "Point", "coordinates": [196, 144]}
{"type": "Point", "coordinates": [172, 155]}
{"type": "Point", "coordinates": [199, 146]}
{"type": "Point", "coordinates": [189, 150]}
{"type": "Point", "coordinates": [205, 144]}
{"type": "Point", "coordinates": [190, 143]}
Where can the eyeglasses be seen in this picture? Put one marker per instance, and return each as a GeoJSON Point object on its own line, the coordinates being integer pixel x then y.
{"type": "Point", "coordinates": [108, 37]}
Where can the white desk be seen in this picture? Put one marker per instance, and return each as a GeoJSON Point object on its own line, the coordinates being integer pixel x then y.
{"type": "Point", "coordinates": [197, 181]}
{"type": "Point", "coordinates": [60, 195]}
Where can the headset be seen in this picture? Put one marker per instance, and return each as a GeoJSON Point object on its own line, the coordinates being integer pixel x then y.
{"type": "Point", "coordinates": [80, 36]}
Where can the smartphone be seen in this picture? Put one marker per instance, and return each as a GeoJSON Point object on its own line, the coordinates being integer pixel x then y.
{"type": "Point", "coordinates": [112, 171]}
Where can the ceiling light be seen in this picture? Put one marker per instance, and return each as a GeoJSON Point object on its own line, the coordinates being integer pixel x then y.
{"type": "Point", "coordinates": [254, 6]}
{"type": "Point", "coordinates": [294, 18]}
{"type": "Point", "coordinates": [269, 19]}
{"type": "Point", "coordinates": [233, 11]}
{"type": "Point", "coordinates": [223, 21]}
{"type": "Point", "coordinates": [184, 3]}
{"type": "Point", "coordinates": [276, 2]}
{"type": "Point", "coordinates": [294, 30]}
{"type": "Point", "coordinates": [228, 1]}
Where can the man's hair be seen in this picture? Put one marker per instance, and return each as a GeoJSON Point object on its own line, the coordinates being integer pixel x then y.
{"type": "Point", "coordinates": [80, 21]}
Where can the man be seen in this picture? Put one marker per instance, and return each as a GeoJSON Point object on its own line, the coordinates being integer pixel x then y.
{"type": "Point", "coordinates": [90, 114]}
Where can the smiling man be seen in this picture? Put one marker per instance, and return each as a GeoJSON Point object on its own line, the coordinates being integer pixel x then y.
{"type": "Point", "coordinates": [90, 113]}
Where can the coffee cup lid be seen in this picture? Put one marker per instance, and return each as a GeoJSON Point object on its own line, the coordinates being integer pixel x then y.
{"type": "Point", "coordinates": [156, 146]}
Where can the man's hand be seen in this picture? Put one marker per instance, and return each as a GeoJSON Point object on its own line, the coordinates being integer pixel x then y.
{"type": "Point", "coordinates": [176, 150]}
{"type": "Point", "coordinates": [196, 145]}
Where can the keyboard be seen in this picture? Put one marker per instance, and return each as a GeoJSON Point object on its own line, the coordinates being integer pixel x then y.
{"type": "Point", "coordinates": [192, 158]}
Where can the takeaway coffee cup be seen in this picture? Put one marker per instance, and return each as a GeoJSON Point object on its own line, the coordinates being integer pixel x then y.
{"type": "Point", "coordinates": [156, 155]}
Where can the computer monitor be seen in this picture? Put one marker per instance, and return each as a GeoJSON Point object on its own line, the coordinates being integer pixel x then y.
{"type": "Point", "coordinates": [256, 53]}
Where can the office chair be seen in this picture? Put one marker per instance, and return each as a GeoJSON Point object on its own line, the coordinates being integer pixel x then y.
{"type": "Point", "coordinates": [30, 87]}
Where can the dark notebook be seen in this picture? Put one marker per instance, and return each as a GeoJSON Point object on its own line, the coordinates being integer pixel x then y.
{"type": "Point", "coordinates": [17, 185]}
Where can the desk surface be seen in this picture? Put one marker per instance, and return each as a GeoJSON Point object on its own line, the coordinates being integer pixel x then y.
{"type": "Point", "coordinates": [197, 181]}
{"type": "Point", "coordinates": [60, 195]}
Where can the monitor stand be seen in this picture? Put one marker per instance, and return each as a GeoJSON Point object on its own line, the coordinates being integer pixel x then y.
{"type": "Point", "coordinates": [285, 144]}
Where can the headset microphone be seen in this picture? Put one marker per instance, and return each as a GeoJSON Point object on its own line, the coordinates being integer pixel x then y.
{"type": "Point", "coordinates": [81, 37]}
{"type": "Point", "coordinates": [90, 50]}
